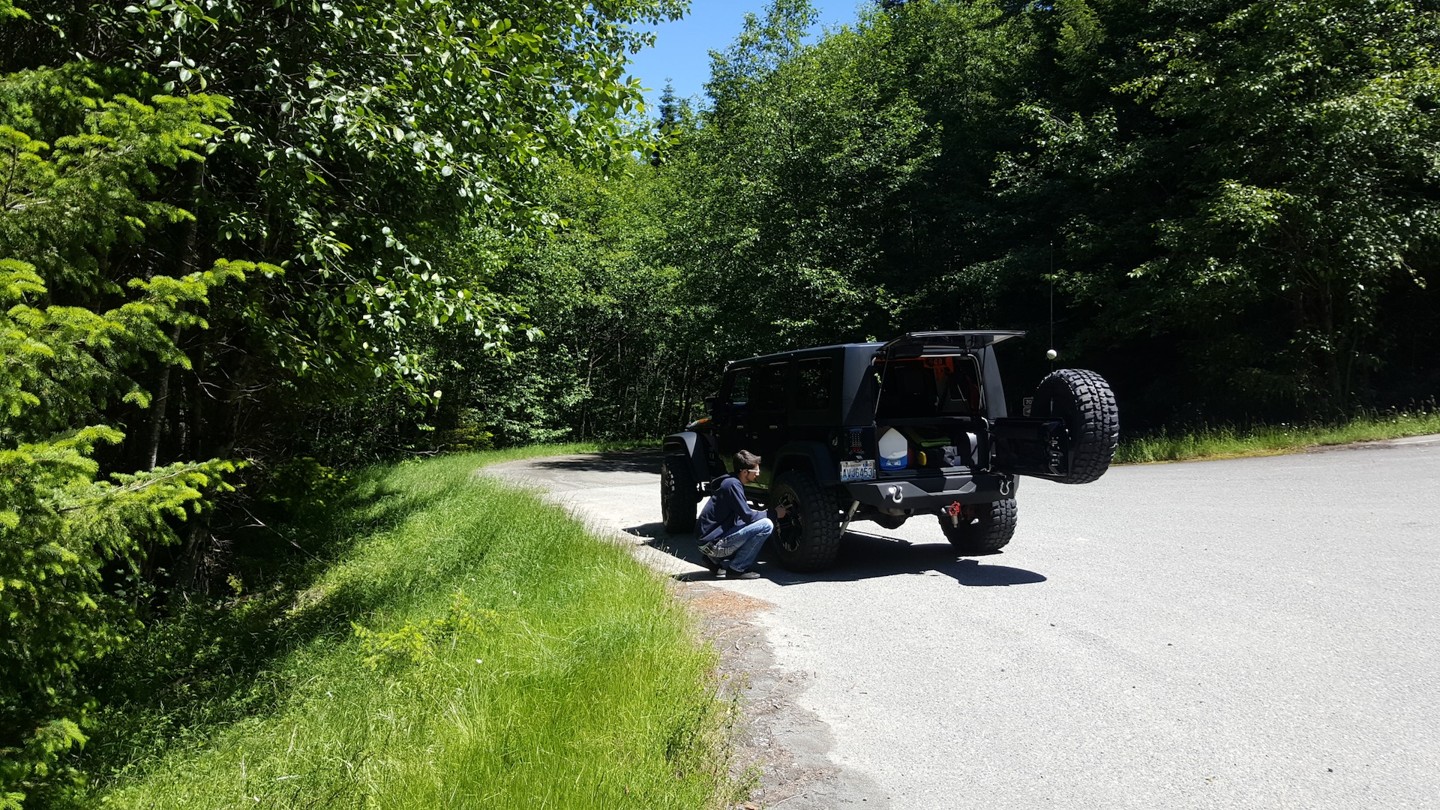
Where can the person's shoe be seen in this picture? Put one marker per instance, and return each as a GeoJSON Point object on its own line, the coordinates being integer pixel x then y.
{"type": "Point", "coordinates": [711, 564]}
{"type": "Point", "coordinates": [742, 575]}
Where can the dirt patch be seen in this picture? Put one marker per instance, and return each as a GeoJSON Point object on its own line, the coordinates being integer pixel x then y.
{"type": "Point", "coordinates": [722, 606]}
{"type": "Point", "coordinates": [786, 745]}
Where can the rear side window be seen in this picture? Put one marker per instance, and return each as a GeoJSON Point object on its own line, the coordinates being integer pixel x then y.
{"type": "Point", "coordinates": [815, 384]}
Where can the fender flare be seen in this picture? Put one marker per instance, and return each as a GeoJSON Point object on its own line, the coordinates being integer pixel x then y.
{"type": "Point", "coordinates": [690, 446]}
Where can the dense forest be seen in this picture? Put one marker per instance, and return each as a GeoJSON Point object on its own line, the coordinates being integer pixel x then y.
{"type": "Point", "coordinates": [242, 244]}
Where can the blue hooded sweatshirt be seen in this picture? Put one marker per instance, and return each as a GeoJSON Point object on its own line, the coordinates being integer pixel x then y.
{"type": "Point", "coordinates": [726, 511]}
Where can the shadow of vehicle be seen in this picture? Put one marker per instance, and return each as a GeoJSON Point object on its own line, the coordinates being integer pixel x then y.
{"type": "Point", "coordinates": [862, 556]}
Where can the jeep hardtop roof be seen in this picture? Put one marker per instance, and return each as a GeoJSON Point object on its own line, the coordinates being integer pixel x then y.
{"type": "Point", "coordinates": [911, 344]}
{"type": "Point", "coordinates": [914, 344]}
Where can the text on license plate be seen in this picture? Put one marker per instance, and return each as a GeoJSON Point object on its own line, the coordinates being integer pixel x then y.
{"type": "Point", "coordinates": [863, 470]}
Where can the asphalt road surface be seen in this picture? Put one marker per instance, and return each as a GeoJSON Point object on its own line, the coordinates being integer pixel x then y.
{"type": "Point", "coordinates": [1255, 633]}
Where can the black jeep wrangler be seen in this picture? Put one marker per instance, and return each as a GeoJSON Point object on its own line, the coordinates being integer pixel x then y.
{"type": "Point", "coordinates": [887, 431]}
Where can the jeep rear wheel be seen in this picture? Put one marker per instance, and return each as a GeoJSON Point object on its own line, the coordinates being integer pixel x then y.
{"type": "Point", "coordinates": [677, 495]}
{"type": "Point", "coordinates": [981, 528]}
{"type": "Point", "coordinates": [1084, 400]}
{"type": "Point", "coordinates": [808, 538]}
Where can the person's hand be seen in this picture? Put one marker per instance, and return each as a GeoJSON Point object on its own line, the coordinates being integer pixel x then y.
{"type": "Point", "coordinates": [780, 512]}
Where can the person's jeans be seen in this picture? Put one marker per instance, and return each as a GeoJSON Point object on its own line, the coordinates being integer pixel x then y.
{"type": "Point", "coordinates": [755, 535]}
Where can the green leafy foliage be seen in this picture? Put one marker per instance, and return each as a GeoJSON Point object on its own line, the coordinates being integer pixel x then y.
{"type": "Point", "coordinates": [944, 164]}
{"type": "Point", "coordinates": [73, 539]}
{"type": "Point", "coordinates": [72, 543]}
{"type": "Point", "coordinates": [1318, 146]}
{"type": "Point", "coordinates": [796, 164]}
{"type": "Point", "coordinates": [1267, 172]}
{"type": "Point", "coordinates": [322, 160]}
{"type": "Point", "coordinates": [375, 134]}
{"type": "Point", "coordinates": [361, 143]}
{"type": "Point", "coordinates": [616, 357]}
{"type": "Point", "coordinates": [1239, 194]}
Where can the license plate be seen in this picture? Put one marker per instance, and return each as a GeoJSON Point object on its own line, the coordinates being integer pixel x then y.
{"type": "Point", "coordinates": [863, 470]}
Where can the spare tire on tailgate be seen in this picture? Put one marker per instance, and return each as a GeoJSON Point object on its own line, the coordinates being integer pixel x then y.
{"type": "Point", "coordinates": [1084, 400]}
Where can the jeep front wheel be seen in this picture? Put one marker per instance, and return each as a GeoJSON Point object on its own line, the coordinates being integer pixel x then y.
{"type": "Point", "coordinates": [808, 538]}
{"type": "Point", "coordinates": [1084, 401]}
{"type": "Point", "coordinates": [981, 528]}
{"type": "Point", "coordinates": [677, 495]}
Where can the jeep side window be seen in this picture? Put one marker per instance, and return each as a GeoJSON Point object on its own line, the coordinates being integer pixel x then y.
{"type": "Point", "coordinates": [768, 390]}
{"type": "Point", "coordinates": [739, 388]}
{"type": "Point", "coordinates": [814, 384]}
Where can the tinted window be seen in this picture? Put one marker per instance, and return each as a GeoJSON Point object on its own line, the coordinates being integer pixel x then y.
{"type": "Point", "coordinates": [767, 393]}
{"type": "Point", "coordinates": [739, 388]}
{"type": "Point", "coordinates": [931, 386]}
{"type": "Point", "coordinates": [960, 392]}
{"type": "Point", "coordinates": [814, 384]}
{"type": "Point", "coordinates": [909, 390]}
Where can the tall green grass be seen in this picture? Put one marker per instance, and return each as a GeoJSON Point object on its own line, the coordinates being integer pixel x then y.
{"type": "Point", "coordinates": [1229, 442]}
{"type": "Point", "coordinates": [471, 647]}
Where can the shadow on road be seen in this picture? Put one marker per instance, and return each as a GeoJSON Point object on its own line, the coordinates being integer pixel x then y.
{"type": "Point", "coordinates": [647, 461]}
{"type": "Point", "coordinates": [862, 556]}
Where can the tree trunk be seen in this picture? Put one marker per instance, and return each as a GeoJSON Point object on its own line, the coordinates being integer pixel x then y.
{"type": "Point", "coordinates": [186, 262]}
{"type": "Point", "coordinates": [159, 407]}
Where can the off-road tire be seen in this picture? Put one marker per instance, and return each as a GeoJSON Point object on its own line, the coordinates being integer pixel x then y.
{"type": "Point", "coordinates": [678, 497]}
{"type": "Point", "coordinates": [987, 530]}
{"type": "Point", "coordinates": [1084, 400]}
{"type": "Point", "coordinates": [808, 538]}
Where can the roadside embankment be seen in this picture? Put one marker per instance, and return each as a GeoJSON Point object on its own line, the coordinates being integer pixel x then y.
{"type": "Point", "coordinates": [461, 644]}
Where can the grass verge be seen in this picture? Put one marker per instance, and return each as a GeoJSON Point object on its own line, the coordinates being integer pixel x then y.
{"type": "Point", "coordinates": [1231, 442]}
{"type": "Point", "coordinates": [462, 646]}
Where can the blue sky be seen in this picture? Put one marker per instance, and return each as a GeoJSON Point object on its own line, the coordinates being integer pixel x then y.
{"type": "Point", "coordinates": [682, 48]}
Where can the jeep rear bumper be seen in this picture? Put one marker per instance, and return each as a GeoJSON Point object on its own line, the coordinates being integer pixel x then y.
{"type": "Point", "coordinates": [932, 492]}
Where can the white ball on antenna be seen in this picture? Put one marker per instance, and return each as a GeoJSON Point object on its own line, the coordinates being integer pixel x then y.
{"type": "Point", "coordinates": [1052, 354]}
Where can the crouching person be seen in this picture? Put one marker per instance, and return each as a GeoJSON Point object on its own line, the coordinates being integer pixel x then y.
{"type": "Point", "coordinates": [731, 533]}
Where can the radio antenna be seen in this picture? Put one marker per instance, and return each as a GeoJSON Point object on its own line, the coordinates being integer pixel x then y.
{"type": "Point", "coordinates": [1051, 354]}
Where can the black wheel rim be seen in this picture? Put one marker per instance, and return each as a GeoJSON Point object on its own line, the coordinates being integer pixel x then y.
{"type": "Point", "coordinates": [667, 491]}
{"type": "Point", "coordinates": [789, 530]}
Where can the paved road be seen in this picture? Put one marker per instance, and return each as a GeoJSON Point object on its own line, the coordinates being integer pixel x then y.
{"type": "Point", "coordinates": [1257, 633]}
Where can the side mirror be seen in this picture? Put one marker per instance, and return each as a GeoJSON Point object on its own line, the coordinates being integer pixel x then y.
{"type": "Point", "coordinates": [710, 403]}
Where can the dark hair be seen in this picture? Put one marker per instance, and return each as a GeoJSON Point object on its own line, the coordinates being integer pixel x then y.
{"type": "Point", "coordinates": [745, 460]}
